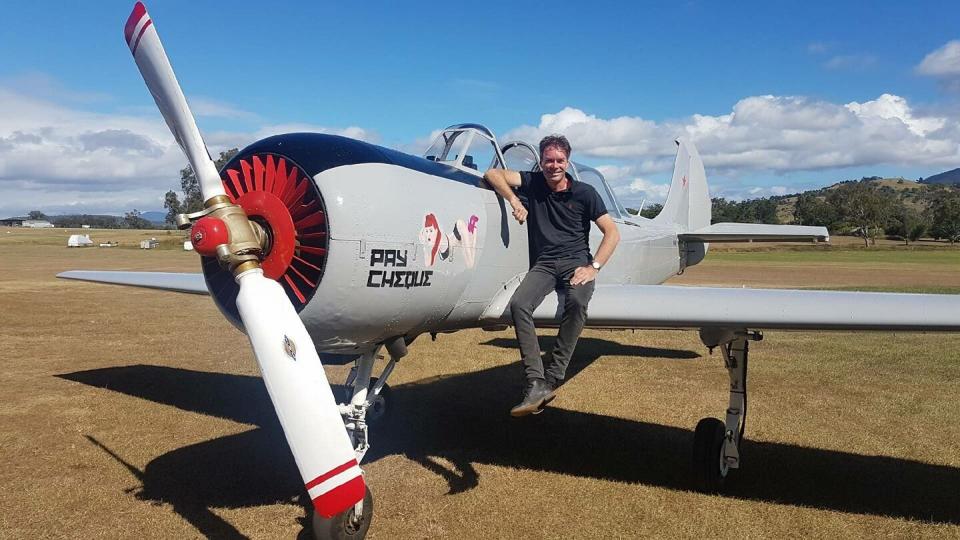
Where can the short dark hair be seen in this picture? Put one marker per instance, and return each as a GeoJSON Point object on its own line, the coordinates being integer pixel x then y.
{"type": "Point", "coordinates": [559, 141]}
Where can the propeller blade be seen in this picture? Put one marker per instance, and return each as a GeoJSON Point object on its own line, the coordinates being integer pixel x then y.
{"type": "Point", "coordinates": [144, 43]}
{"type": "Point", "coordinates": [301, 395]}
{"type": "Point", "coordinates": [287, 357]}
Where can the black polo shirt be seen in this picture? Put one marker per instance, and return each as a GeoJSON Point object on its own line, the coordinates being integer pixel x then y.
{"type": "Point", "coordinates": [559, 222]}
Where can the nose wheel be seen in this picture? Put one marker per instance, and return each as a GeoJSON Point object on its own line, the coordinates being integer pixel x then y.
{"type": "Point", "coordinates": [352, 524]}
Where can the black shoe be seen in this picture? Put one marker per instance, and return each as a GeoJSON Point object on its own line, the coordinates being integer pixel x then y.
{"type": "Point", "coordinates": [553, 385]}
{"type": "Point", "coordinates": [536, 396]}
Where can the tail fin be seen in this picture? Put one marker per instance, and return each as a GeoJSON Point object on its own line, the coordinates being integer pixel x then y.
{"type": "Point", "coordinates": [688, 201]}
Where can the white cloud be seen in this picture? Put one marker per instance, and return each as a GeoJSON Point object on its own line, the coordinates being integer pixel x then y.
{"type": "Point", "coordinates": [353, 132]}
{"type": "Point", "coordinates": [943, 62]}
{"type": "Point", "coordinates": [211, 108]}
{"type": "Point", "coordinates": [59, 158]}
{"type": "Point", "coordinates": [850, 62]}
{"type": "Point", "coordinates": [779, 134]}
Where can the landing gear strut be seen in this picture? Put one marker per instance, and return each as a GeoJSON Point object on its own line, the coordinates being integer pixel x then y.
{"type": "Point", "coordinates": [716, 444]}
{"type": "Point", "coordinates": [367, 402]}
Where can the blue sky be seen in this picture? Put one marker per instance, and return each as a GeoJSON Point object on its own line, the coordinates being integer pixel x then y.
{"type": "Point", "coordinates": [778, 96]}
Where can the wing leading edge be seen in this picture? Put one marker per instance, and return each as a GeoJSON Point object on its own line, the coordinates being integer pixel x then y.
{"type": "Point", "coordinates": [168, 281]}
{"type": "Point", "coordinates": [665, 306]}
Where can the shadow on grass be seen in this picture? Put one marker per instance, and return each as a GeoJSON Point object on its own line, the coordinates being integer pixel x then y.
{"type": "Point", "coordinates": [462, 419]}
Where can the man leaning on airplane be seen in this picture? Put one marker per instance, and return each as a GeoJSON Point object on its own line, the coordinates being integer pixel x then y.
{"type": "Point", "coordinates": [559, 215]}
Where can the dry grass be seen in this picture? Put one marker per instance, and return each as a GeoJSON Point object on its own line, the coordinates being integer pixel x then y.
{"type": "Point", "coordinates": [134, 413]}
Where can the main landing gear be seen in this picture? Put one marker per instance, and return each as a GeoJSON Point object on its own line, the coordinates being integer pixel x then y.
{"type": "Point", "coordinates": [716, 444]}
{"type": "Point", "coordinates": [367, 402]}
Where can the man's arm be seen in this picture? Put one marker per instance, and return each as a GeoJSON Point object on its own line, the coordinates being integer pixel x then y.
{"type": "Point", "coordinates": [611, 236]}
{"type": "Point", "coordinates": [503, 181]}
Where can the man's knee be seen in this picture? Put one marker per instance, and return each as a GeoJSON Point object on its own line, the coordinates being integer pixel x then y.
{"type": "Point", "coordinates": [520, 306]}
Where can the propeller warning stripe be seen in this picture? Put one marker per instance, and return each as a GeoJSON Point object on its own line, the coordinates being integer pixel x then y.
{"type": "Point", "coordinates": [340, 498]}
{"type": "Point", "coordinates": [330, 474]}
{"type": "Point", "coordinates": [137, 24]}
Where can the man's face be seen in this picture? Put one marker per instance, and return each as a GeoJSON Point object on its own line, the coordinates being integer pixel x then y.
{"type": "Point", "coordinates": [554, 164]}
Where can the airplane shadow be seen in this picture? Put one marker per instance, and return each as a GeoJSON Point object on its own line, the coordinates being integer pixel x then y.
{"type": "Point", "coordinates": [467, 424]}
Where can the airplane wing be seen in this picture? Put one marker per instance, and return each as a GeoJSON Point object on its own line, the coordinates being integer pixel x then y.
{"type": "Point", "coordinates": [666, 306]}
{"type": "Point", "coordinates": [756, 232]}
{"type": "Point", "coordinates": [168, 281]}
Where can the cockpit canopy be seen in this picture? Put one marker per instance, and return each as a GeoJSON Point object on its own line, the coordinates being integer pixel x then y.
{"type": "Point", "coordinates": [468, 147]}
{"type": "Point", "coordinates": [473, 148]}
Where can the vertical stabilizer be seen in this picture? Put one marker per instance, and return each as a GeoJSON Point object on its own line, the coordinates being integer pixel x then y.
{"type": "Point", "coordinates": [688, 201]}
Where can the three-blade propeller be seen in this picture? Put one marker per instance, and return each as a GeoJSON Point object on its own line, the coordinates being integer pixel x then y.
{"type": "Point", "coordinates": [288, 360]}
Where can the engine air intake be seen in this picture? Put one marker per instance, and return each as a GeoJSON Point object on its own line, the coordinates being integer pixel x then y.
{"type": "Point", "coordinates": [281, 197]}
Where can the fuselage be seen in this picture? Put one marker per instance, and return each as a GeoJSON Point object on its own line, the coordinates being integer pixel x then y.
{"type": "Point", "coordinates": [415, 246]}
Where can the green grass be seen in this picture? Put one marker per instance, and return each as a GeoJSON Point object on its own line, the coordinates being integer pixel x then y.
{"type": "Point", "coordinates": [912, 290]}
{"type": "Point", "coordinates": [845, 256]}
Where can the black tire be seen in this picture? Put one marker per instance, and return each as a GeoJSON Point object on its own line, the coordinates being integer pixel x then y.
{"type": "Point", "coordinates": [380, 410]}
{"type": "Point", "coordinates": [344, 526]}
{"type": "Point", "coordinates": [710, 471]}
{"type": "Point", "coordinates": [381, 405]}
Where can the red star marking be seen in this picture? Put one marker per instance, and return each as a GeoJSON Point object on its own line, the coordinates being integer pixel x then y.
{"type": "Point", "coordinates": [684, 181]}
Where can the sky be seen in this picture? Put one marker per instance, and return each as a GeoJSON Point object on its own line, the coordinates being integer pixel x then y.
{"type": "Point", "coordinates": [778, 97]}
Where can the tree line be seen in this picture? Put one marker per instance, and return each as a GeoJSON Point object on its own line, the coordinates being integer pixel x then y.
{"type": "Point", "coordinates": [859, 207]}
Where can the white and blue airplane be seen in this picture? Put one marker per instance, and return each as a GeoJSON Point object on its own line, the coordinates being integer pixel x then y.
{"type": "Point", "coordinates": [324, 248]}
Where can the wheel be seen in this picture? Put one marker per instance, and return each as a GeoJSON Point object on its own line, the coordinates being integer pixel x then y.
{"type": "Point", "coordinates": [380, 406]}
{"type": "Point", "coordinates": [709, 467]}
{"type": "Point", "coordinates": [346, 525]}
{"type": "Point", "coordinates": [379, 409]}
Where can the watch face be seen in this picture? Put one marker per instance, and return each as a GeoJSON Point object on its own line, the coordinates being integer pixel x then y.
{"type": "Point", "coordinates": [596, 265]}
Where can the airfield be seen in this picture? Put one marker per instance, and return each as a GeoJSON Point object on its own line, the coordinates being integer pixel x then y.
{"type": "Point", "coordinates": [136, 413]}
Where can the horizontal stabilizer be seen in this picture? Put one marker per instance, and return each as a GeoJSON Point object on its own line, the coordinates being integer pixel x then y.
{"type": "Point", "coordinates": [168, 281]}
{"type": "Point", "coordinates": [756, 232]}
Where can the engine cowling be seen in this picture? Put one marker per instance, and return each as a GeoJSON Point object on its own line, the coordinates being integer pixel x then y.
{"type": "Point", "coordinates": [368, 243]}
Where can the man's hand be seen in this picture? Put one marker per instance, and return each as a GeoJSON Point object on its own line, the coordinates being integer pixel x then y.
{"type": "Point", "coordinates": [583, 274]}
{"type": "Point", "coordinates": [519, 212]}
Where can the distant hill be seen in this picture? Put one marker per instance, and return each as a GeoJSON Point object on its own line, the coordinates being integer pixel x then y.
{"type": "Point", "coordinates": [908, 192]}
{"type": "Point", "coordinates": [155, 217]}
{"type": "Point", "coordinates": [949, 177]}
{"type": "Point", "coordinates": [102, 221]}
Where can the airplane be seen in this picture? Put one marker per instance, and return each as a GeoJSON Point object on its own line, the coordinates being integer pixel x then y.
{"type": "Point", "coordinates": [325, 249]}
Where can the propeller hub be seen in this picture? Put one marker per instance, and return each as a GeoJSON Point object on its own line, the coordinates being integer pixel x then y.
{"type": "Point", "coordinates": [208, 233]}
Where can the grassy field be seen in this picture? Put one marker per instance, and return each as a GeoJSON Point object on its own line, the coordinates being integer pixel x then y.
{"type": "Point", "coordinates": [136, 413]}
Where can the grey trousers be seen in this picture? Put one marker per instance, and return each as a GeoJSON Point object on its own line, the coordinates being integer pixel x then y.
{"type": "Point", "coordinates": [544, 277]}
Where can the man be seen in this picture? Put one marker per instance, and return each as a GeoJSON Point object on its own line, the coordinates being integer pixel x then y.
{"type": "Point", "coordinates": [560, 212]}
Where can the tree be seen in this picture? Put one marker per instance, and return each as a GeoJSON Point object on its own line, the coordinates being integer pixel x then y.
{"type": "Point", "coordinates": [190, 187]}
{"type": "Point", "coordinates": [946, 217]}
{"type": "Point", "coordinates": [751, 211]}
{"type": "Point", "coordinates": [133, 220]}
{"type": "Point", "coordinates": [862, 207]}
{"type": "Point", "coordinates": [813, 210]}
{"type": "Point", "coordinates": [651, 211]}
{"type": "Point", "coordinates": [172, 203]}
{"type": "Point", "coordinates": [908, 224]}
{"type": "Point", "coordinates": [36, 214]}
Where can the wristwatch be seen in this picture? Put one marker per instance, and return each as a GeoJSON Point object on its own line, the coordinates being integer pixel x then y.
{"type": "Point", "coordinates": [596, 266]}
